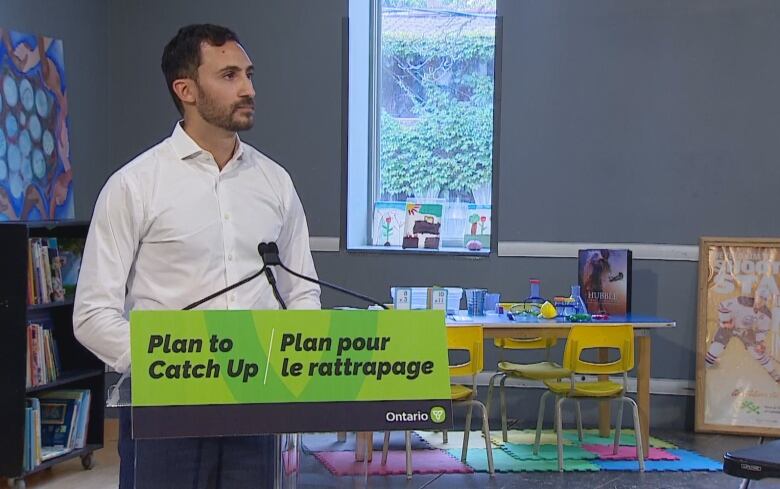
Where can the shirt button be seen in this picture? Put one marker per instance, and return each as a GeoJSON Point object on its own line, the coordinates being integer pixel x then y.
{"type": "Point", "coordinates": [230, 257]}
{"type": "Point", "coordinates": [227, 216]}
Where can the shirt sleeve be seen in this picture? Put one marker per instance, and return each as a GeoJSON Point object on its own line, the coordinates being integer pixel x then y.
{"type": "Point", "coordinates": [99, 320]}
{"type": "Point", "coordinates": [295, 253]}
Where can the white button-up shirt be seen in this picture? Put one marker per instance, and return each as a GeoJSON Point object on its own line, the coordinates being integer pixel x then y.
{"type": "Point", "coordinates": [170, 228]}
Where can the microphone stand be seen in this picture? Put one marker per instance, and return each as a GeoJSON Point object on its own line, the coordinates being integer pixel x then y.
{"type": "Point", "coordinates": [270, 254]}
{"type": "Point", "coordinates": [226, 289]}
{"type": "Point", "coordinates": [271, 280]}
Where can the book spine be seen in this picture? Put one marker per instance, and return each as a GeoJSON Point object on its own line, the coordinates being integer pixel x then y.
{"type": "Point", "coordinates": [30, 280]}
{"type": "Point", "coordinates": [46, 272]}
{"type": "Point", "coordinates": [34, 367]}
{"type": "Point", "coordinates": [29, 369]}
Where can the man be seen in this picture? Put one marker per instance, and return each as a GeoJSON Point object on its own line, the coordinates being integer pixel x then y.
{"type": "Point", "coordinates": [183, 220]}
{"type": "Point", "coordinates": [749, 319]}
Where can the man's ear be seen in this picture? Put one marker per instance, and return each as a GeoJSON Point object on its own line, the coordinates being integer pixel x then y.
{"type": "Point", "coordinates": [184, 88]}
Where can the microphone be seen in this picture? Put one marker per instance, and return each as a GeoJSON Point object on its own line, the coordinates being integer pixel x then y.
{"type": "Point", "coordinates": [270, 254]}
{"type": "Point", "coordinates": [271, 257]}
{"type": "Point", "coordinates": [268, 274]}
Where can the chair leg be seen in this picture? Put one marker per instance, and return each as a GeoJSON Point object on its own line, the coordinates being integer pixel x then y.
{"type": "Point", "coordinates": [638, 434]}
{"type": "Point", "coordinates": [618, 429]}
{"type": "Point", "coordinates": [488, 444]}
{"type": "Point", "coordinates": [385, 447]}
{"type": "Point", "coordinates": [491, 385]}
{"type": "Point", "coordinates": [579, 418]}
{"type": "Point", "coordinates": [341, 436]}
{"type": "Point", "coordinates": [408, 440]}
{"type": "Point", "coordinates": [539, 421]}
{"type": "Point", "coordinates": [467, 431]}
{"type": "Point", "coordinates": [444, 437]}
{"type": "Point", "coordinates": [559, 430]}
{"type": "Point", "coordinates": [502, 396]}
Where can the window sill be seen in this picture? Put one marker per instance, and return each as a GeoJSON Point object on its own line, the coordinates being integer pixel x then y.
{"type": "Point", "coordinates": [444, 250]}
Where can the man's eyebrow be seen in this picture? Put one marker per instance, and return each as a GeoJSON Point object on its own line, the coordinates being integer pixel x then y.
{"type": "Point", "coordinates": [236, 68]}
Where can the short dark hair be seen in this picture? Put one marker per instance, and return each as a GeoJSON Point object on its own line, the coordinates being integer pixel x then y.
{"type": "Point", "coordinates": [181, 56]}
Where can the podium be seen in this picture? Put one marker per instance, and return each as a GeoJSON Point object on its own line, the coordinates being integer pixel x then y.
{"type": "Point", "coordinates": [218, 399]}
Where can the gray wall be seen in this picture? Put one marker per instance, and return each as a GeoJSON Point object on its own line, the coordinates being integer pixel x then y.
{"type": "Point", "coordinates": [296, 48]}
{"type": "Point", "coordinates": [654, 120]}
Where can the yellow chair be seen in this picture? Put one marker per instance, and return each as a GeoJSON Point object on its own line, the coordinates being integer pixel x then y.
{"type": "Point", "coordinates": [545, 370]}
{"type": "Point", "coordinates": [467, 339]}
{"type": "Point", "coordinates": [581, 338]}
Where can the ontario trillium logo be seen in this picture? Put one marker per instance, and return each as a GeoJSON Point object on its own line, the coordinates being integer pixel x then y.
{"type": "Point", "coordinates": [438, 414]}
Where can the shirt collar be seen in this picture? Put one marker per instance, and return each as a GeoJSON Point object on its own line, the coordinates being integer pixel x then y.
{"type": "Point", "coordinates": [186, 147]}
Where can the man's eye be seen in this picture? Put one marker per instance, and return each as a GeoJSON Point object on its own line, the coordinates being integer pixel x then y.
{"type": "Point", "coordinates": [229, 75]}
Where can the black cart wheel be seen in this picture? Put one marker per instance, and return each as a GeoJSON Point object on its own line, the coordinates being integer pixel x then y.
{"type": "Point", "coordinates": [87, 462]}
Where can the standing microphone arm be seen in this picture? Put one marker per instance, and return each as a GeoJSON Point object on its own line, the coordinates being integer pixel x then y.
{"type": "Point", "coordinates": [228, 289]}
{"type": "Point", "coordinates": [332, 286]}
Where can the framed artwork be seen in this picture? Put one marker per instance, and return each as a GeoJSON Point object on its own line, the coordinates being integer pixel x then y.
{"type": "Point", "coordinates": [477, 226]}
{"type": "Point", "coordinates": [389, 220]}
{"type": "Point", "coordinates": [35, 167]}
{"type": "Point", "coordinates": [422, 227]}
{"type": "Point", "coordinates": [738, 341]}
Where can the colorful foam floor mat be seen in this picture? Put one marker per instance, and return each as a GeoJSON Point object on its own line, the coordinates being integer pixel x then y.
{"type": "Point", "coordinates": [431, 455]}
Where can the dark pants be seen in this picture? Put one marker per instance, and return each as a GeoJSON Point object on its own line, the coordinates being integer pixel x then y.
{"type": "Point", "coordinates": [240, 462]}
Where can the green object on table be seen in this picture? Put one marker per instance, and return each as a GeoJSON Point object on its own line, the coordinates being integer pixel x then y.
{"type": "Point", "coordinates": [579, 318]}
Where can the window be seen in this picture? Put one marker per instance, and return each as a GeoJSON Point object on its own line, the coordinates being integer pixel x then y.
{"type": "Point", "coordinates": [421, 124]}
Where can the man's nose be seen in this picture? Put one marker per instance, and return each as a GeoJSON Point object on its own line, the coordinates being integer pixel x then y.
{"type": "Point", "coordinates": [247, 88]}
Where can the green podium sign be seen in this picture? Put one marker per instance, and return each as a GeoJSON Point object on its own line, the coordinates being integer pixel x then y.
{"type": "Point", "coordinates": [211, 373]}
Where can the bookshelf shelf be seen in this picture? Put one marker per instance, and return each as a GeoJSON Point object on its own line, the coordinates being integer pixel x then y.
{"type": "Point", "coordinates": [78, 368]}
{"type": "Point", "coordinates": [67, 378]}
{"type": "Point", "coordinates": [81, 452]}
{"type": "Point", "coordinates": [39, 307]}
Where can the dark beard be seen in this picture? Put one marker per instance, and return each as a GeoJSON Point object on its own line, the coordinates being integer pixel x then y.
{"type": "Point", "coordinates": [222, 117]}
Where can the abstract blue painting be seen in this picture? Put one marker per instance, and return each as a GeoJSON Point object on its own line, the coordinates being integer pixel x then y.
{"type": "Point", "coordinates": [35, 167]}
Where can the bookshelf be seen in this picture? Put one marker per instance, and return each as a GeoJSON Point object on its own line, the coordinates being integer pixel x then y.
{"type": "Point", "coordinates": [78, 368]}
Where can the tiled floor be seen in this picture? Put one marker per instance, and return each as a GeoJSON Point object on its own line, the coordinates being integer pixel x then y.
{"type": "Point", "coordinates": [70, 475]}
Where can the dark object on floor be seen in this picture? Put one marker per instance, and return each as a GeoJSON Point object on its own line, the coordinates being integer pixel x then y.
{"type": "Point", "coordinates": [754, 463]}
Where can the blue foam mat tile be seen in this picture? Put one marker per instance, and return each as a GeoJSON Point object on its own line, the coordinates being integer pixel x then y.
{"type": "Point", "coordinates": [689, 461]}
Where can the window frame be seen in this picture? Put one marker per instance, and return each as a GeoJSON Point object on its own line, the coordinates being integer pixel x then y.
{"type": "Point", "coordinates": [360, 242]}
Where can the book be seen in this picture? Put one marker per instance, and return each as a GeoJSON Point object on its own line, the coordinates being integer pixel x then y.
{"type": "Point", "coordinates": [57, 422]}
{"type": "Point", "coordinates": [57, 290]}
{"type": "Point", "coordinates": [32, 435]}
{"type": "Point", "coordinates": [70, 252]}
{"type": "Point", "coordinates": [43, 358]}
{"type": "Point", "coordinates": [32, 298]}
{"type": "Point", "coordinates": [604, 276]}
{"type": "Point", "coordinates": [77, 435]}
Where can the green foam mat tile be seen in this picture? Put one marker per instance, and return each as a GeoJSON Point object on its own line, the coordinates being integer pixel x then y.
{"type": "Point", "coordinates": [547, 452]}
{"type": "Point", "coordinates": [503, 462]}
{"type": "Point", "coordinates": [435, 439]}
{"type": "Point", "coordinates": [526, 437]}
{"type": "Point", "coordinates": [591, 437]}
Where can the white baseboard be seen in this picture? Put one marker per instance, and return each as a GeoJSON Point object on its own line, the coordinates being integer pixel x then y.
{"type": "Point", "coordinates": [548, 249]}
{"type": "Point", "coordinates": [640, 251]}
{"type": "Point", "coordinates": [324, 243]}
{"type": "Point", "coordinates": [667, 387]}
